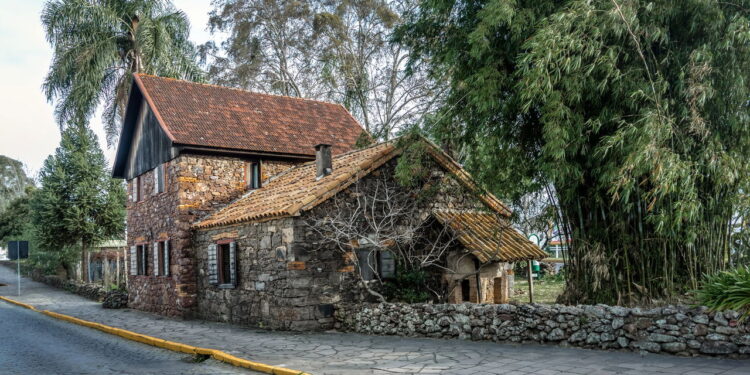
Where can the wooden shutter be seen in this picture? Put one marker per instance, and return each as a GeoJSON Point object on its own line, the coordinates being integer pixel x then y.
{"type": "Point", "coordinates": [156, 180]}
{"type": "Point", "coordinates": [135, 189]}
{"type": "Point", "coordinates": [164, 169]}
{"type": "Point", "coordinates": [133, 261]}
{"type": "Point", "coordinates": [367, 263]}
{"type": "Point", "coordinates": [165, 271]}
{"type": "Point", "coordinates": [156, 259]}
{"type": "Point", "coordinates": [159, 179]}
{"type": "Point", "coordinates": [213, 275]}
{"type": "Point", "coordinates": [233, 263]}
{"type": "Point", "coordinates": [387, 266]}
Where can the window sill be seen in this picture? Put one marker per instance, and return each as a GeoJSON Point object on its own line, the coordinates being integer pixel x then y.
{"type": "Point", "coordinates": [226, 286]}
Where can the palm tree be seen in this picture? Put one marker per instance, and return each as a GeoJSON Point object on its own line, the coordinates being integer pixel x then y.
{"type": "Point", "coordinates": [99, 44]}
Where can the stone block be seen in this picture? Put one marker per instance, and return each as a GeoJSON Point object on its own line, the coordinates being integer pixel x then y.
{"type": "Point", "coordinates": [296, 266]}
{"type": "Point", "coordinates": [718, 347]}
{"type": "Point", "coordinates": [673, 347]}
{"type": "Point", "coordinates": [661, 338]}
{"type": "Point", "coordinates": [647, 346]}
{"type": "Point", "coordinates": [700, 330]}
{"type": "Point", "coordinates": [701, 319]}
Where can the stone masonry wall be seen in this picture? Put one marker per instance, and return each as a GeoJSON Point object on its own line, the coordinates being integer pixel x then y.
{"type": "Point", "coordinates": [270, 168]}
{"type": "Point", "coordinates": [676, 330]}
{"type": "Point", "coordinates": [195, 185]}
{"type": "Point", "coordinates": [154, 217]}
{"type": "Point", "coordinates": [275, 289]}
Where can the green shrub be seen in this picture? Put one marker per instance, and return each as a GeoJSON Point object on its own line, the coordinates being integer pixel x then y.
{"type": "Point", "coordinates": [408, 286]}
{"type": "Point", "coordinates": [727, 290]}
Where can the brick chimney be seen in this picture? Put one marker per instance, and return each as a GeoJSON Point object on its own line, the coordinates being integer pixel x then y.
{"type": "Point", "coordinates": [323, 163]}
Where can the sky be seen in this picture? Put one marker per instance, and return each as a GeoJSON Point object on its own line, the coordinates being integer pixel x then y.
{"type": "Point", "coordinates": [28, 130]}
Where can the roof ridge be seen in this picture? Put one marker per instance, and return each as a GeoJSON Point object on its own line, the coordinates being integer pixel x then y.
{"type": "Point", "coordinates": [248, 91]}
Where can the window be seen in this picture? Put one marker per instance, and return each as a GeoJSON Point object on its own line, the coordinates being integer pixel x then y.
{"type": "Point", "coordinates": [142, 259]}
{"type": "Point", "coordinates": [375, 262]}
{"type": "Point", "coordinates": [159, 179]}
{"type": "Point", "coordinates": [252, 175]}
{"type": "Point", "coordinates": [222, 264]}
{"type": "Point", "coordinates": [160, 258]}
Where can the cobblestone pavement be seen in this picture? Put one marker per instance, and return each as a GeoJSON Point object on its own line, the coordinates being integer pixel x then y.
{"type": "Point", "coordinates": [344, 353]}
{"type": "Point", "coordinates": [32, 343]}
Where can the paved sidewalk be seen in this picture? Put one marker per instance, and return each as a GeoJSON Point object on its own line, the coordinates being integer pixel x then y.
{"type": "Point", "coordinates": [344, 353]}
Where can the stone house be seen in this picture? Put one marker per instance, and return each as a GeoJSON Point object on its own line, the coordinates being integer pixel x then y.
{"type": "Point", "coordinates": [223, 185]}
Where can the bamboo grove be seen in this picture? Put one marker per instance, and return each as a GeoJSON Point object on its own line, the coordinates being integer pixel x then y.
{"type": "Point", "coordinates": [633, 113]}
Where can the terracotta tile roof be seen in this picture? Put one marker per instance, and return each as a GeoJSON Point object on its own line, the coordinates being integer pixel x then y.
{"type": "Point", "coordinates": [297, 189]}
{"type": "Point", "coordinates": [466, 180]}
{"type": "Point", "coordinates": [489, 237]}
{"type": "Point", "coordinates": [214, 116]}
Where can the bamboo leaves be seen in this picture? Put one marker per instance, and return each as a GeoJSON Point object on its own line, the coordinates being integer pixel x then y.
{"type": "Point", "coordinates": [636, 113]}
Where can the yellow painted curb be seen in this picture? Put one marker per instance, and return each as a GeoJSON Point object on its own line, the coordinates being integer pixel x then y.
{"type": "Point", "coordinates": [169, 345]}
{"type": "Point", "coordinates": [24, 305]}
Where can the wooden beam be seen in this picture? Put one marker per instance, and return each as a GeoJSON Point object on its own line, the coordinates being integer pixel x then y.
{"type": "Point", "coordinates": [531, 284]}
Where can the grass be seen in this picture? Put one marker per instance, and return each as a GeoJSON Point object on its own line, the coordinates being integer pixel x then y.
{"type": "Point", "coordinates": [545, 291]}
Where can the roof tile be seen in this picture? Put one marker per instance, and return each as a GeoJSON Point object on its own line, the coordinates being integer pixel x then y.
{"type": "Point", "coordinates": [488, 236]}
{"type": "Point", "coordinates": [214, 116]}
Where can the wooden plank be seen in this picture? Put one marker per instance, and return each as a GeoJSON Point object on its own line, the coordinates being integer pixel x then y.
{"type": "Point", "coordinates": [531, 283]}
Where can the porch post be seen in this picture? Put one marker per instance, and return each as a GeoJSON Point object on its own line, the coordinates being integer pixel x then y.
{"type": "Point", "coordinates": [531, 284]}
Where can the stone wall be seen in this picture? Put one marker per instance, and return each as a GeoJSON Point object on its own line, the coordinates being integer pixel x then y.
{"type": "Point", "coordinates": [676, 330]}
{"type": "Point", "coordinates": [275, 288]}
{"type": "Point", "coordinates": [91, 291]}
{"type": "Point", "coordinates": [196, 185]}
{"type": "Point", "coordinates": [157, 217]}
{"type": "Point", "coordinates": [270, 168]}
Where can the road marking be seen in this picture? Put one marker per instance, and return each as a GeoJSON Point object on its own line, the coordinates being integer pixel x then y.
{"type": "Point", "coordinates": [165, 344]}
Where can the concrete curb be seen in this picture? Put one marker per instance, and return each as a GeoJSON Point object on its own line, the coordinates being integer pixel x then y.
{"type": "Point", "coordinates": [169, 345]}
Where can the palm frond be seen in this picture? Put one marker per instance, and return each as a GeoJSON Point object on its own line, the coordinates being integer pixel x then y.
{"type": "Point", "coordinates": [99, 44]}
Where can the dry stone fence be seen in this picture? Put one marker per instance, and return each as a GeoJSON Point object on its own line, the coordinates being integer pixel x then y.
{"type": "Point", "coordinates": [679, 330]}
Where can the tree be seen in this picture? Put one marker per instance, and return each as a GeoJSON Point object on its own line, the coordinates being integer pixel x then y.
{"type": "Point", "coordinates": [635, 112]}
{"type": "Point", "coordinates": [78, 203]}
{"type": "Point", "coordinates": [367, 72]}
{"type": "Point", "coordinates": [98, 45]}
{"type": "Point", "coordinates": [395, 211]}
{"type": "Point", "coordinates": [339, 51]}
{"type": "Point", "coordinates": [13, 180]}
{"type": "Point", "coordinates": [16, 216]}
{"type": "Point", "coordinates": [378, 215]}
{"type": "Point", "coordinates": [269, 47]}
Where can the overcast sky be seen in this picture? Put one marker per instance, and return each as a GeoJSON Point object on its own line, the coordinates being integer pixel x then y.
{"type": "Point", "coordinates": [28, 131]}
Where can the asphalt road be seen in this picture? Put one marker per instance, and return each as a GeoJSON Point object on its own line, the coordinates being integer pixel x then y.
{"type": "Point", "coordinates": [32, 343]}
